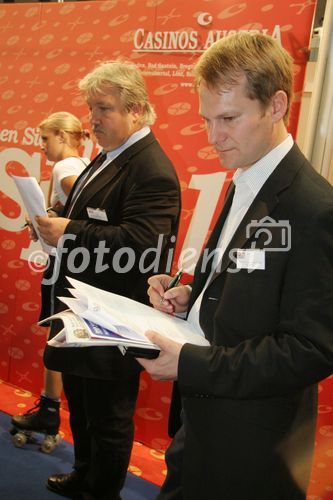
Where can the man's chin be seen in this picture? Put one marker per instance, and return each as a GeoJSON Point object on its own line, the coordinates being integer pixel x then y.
{"type": "Point", "coordinates": [228, 165]}
{"type": "Point", "coordinates": [98, 134]}
{"type": "Point", "coordinates": [100, 140]}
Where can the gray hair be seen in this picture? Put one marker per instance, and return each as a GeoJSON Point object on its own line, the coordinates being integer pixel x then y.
{"type": "Point", "coordinates": [127, 79]}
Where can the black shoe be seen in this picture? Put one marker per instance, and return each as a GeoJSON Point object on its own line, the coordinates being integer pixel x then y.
{"type": "Point", "coordinates": [67, 485]}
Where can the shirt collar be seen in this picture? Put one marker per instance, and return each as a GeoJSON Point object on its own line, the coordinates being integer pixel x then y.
{"type": "Point", "coordinates": [256, 176]}
{"type": "Point", "coordinates": [139, 134]}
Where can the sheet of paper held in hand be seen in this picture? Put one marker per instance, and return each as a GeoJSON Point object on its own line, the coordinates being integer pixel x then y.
{"type": "Point", "coordinates": [34, 202]}
{"type": "Point", "coordinates": [97, 317]}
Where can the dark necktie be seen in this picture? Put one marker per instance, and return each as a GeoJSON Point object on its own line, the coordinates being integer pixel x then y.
{"type": "Point", "coordinates": [94, 167]}
{"type": "Point", "coordinates": [200, 276]}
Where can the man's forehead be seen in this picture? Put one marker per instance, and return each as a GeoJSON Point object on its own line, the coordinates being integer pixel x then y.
{"type": "Point", "coordinates": [216, 94]}
{"type": "Point", "coordinates": [102, 95]}
{"type": "Point", "coordinates": [224, 86]}
{"type": "Point", "coordinates": [228, 96]}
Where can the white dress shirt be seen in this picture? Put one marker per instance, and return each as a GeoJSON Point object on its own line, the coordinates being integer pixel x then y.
{"type": "Point", "coordinates": [247, 185]}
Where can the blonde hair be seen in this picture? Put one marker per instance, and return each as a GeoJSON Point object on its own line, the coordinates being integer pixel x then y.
{"type": "Point", "coordinates": [66, 122]}
{"type": "Point", "coordinates": [268, 67]}
{"type": "Point", "coordinates": [129, 82]}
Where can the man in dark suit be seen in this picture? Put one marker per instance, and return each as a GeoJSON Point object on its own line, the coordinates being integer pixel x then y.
{"type": "Point", "coordinates": [117, 228]}
{"type": "Point", "coordinates": [262, 294]}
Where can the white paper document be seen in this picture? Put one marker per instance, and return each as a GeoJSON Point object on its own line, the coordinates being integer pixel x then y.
{"type": "Point", "coordinates": [34, 202]}
{"type": "Point", "coordinates": [96, 317]}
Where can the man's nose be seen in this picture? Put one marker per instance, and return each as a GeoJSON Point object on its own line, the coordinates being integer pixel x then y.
{"type": "Point", "coordinates": [94, 116]}
{"type": "Point", "coordinates": [216, 133]}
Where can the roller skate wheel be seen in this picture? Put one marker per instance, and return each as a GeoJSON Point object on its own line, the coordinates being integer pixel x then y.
{"type": "Point", "coordinates": [20, 439]}
{"type": "Point", "coordinates": [49, 443]}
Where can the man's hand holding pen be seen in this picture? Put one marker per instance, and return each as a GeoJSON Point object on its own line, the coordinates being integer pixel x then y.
{"type": "Point", "coordinates": [51, 229]}
{"type": "Point", "coordinates": [166, 295]}
{"type": "Point", "coordinates": [32, 233]}
{"type": "Point", "coordinates": [174, 282]}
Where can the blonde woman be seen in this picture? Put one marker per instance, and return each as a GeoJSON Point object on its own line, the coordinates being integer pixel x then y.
{"type": "Point", "coordinates": [61, 137]}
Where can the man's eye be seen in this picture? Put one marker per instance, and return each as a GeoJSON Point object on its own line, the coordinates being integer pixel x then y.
{"type": "Point", "coordinates": [228, 118]}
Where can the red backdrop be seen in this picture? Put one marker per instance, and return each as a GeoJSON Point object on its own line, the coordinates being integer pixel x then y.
{"type": "Point", "coordinates": [45, 49]}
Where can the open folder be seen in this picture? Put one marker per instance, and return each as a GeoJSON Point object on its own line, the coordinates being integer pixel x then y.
{"type": "Point", "coordinates": [99, 318]}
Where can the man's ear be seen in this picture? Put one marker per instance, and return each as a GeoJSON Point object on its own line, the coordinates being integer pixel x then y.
{"type": "Point", "coordinates": [136, 111]}
{"type": "Point", "coordinates": [279, 103]}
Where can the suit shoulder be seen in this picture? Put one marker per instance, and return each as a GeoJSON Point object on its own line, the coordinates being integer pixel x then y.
{"type": "Point", "coordinates": [153, 161]}
{"type": "Point", "coordinates": [316, 190]}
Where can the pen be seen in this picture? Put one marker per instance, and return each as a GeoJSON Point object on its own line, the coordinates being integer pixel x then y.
{"type": "Point", "coordinates": [174, 282]}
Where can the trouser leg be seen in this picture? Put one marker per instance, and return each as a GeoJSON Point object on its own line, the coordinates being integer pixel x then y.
{"type": "Point", "coordinates": [172, 486]}
{"type": "Point", "coordinates": [75, 394]}
{"type": "Point", "coordinates": [110, 410]}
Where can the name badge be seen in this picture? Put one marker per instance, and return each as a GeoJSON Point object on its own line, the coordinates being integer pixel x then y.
{"type": "Point", "coordinates": [250, 259]}
{"type": "Point", "coordinates": [97, 214]}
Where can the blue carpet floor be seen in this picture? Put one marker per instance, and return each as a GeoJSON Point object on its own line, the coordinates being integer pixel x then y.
{"type": "Point", "coordinates": [24, 471]}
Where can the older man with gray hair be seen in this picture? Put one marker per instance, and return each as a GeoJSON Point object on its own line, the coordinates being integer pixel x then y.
{"type": "Point", "coordinates": [126, 202]}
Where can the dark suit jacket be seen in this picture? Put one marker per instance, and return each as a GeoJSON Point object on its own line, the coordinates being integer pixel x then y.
{"type": "Point", "coordinates": [139, 192]}
{"type": "Point", "coordinates": [250, 398]}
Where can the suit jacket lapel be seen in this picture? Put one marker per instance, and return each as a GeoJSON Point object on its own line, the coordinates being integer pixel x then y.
{"type": "Point", "coordinates": [257, 211]}
{"type": "Point", "coordinates": [105, 176]}
{"type": "Point", "coordinates": [96, 184]}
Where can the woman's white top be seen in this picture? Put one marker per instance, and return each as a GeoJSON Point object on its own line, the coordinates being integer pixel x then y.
{"type": "Point", "coordinates": [62, 169]}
